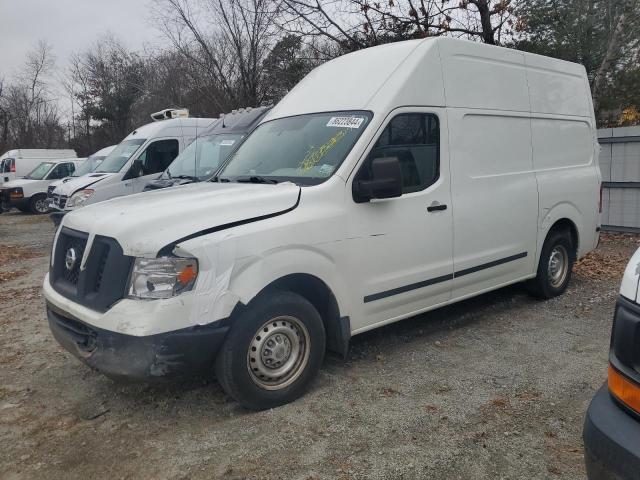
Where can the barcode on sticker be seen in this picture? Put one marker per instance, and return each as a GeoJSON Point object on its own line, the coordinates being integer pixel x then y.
{"type": "Point", "coordinates": [345, 122]}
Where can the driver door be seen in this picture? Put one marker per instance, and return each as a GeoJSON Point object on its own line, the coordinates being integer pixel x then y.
{"type": "Point", "coordinates": [401, 248]}
{"type": "Point", "coordinates": [153, 161]}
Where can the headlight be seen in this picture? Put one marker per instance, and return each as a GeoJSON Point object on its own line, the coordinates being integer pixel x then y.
{"type": "Point", "coordinates": [162, 277]}
{"type": "Point", "coordinates": [16, 193]}
{"type": "Point", "coordinates": [79, 198]}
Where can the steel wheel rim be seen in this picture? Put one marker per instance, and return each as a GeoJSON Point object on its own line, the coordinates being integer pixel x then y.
{"type": "Point", "coordinates": [278, 353]}
{"type": "Point", "coordinates": [558, 266]}
{"type": "Point", "coordinates": [41, 206]}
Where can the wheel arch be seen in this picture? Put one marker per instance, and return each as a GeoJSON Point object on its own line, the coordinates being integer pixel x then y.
{"type": "Point", "coordinates": [320, 295]}
{"type": "Point", "coordinates": [563, 216]}
{"type": "Point", "coordinates": [565, 224]}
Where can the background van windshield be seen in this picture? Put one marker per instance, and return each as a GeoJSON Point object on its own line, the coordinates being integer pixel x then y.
{"type": "Point", "coordinates": [120, 155]}
{"type": "Point", "coordinates": [88, 166]}
{"type": "Point", "coordinates": [40, 171]}
{"type": "Point", "coordinates": [203, 156]}
{"type": "Point", "coordinates": [305, 149]}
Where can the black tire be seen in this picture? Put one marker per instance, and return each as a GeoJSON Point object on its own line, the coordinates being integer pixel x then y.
{"type": "Point", "coordinates": [547, 285]}
{"type": "Point", "coordinates": [36, 206]}
{"type": "Point", "coordinates": [242, 347]}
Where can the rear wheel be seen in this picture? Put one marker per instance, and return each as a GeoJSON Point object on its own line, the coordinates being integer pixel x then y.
{"type": "Point", "coordinates": [273, 351]}
{"type": "Point", "coordinates": [38, 204]}
{"type": "Point", "coordinates": [555, 266]}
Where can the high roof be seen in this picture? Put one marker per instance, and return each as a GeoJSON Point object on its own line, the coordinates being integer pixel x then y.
{"type": "Point", "coordinates": [441, 72]}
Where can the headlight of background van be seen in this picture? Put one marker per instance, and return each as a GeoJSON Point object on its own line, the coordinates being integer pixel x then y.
{"type": "Point", "coordinates": [162, 277]}
{"type": "Point", "coordinates": [79, 198]}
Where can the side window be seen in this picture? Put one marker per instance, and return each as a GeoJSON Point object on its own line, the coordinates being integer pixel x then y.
{"type": "Point", "coordinates": [61, 170]}
{"type": "Point", "coordinates": [158, 156]}
{"type": "Point", "coordinates": [414, 139]}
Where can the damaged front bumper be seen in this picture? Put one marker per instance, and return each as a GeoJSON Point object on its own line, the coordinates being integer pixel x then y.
{"type": "Point", "coordinates": [184, 352]}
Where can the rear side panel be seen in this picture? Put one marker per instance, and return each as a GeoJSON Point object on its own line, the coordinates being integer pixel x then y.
{"type": "Point", "coordinates": [565, 148]}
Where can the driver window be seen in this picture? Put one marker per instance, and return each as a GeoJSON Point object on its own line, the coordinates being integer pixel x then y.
{"type": "Point", "coordinates": [61, 170]}
{"type": "Point", "coordinates": [158, 156]}
{"type": "Point", "coordinates": [414, 138]}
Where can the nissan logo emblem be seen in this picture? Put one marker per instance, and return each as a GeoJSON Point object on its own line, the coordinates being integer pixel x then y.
{"type": "Point", "coordinates": [70, 258]}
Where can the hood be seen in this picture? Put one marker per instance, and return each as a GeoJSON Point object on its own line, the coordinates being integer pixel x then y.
{"type": "Point", "coordinates": [20, 182]}
{"type": "Point", "coordinates": [78, 183]}
{"type": "Point", "coordinates": [145, 223]}
{"type": "Point", "coordinates": [631, 279]}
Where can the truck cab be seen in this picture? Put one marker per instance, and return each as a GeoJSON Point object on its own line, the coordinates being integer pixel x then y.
{"type": "Point", "coordinates": [19, 162]}
{"type": "Point", "coordinates": [141, 157]}
{"type": "Point", "coordinates": [29, 193]}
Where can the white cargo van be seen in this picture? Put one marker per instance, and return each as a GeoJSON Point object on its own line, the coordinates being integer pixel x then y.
{"type": "Point", "coordinates": [17, 163]}
{"type": "Point", "coordinates": [29, 193]}
{"type": "Point", "coordinates": [388, 182]}
{"type": "Point", "coordinates": [141, 157]}
{"type": "Point", "coordinates": [89, 165]}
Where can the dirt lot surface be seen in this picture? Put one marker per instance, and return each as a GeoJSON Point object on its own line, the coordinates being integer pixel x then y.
{"type": "Point", "coordinates": [495, 387]}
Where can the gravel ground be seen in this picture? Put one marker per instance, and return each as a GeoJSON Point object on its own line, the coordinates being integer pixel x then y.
{"type": "Point", "coordinates": [494, 387]}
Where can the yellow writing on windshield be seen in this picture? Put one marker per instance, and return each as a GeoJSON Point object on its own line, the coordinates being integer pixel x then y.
{"type": "Point", "coordinates": [314, 155]}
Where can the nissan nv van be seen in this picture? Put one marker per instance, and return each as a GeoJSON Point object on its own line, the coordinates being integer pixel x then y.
{"type": "Point", "coordinates": [389, 182]}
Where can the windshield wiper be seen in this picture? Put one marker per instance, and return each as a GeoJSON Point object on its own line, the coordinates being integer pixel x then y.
{"type": "Point", "coordinates": [255, 179]}
{"type": "Point", "coordinates": [184, 177]}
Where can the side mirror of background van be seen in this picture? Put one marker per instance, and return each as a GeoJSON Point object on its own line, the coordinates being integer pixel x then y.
{"type": "Point", "coordinates": [385, 182]}
{"type": "Point", "coordinates": [135, 170]}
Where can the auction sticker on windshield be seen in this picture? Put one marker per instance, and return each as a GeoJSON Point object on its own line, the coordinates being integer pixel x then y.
{"type": "Point", "coordinates": [227, 143]}
{"type": "Point", "coordinates": [345, 122]}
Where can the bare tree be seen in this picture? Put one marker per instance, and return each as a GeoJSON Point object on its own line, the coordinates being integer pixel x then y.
{"type": "Point", "coordinates": [224, 44]}
{"type": "Point", "coordinates": [355, 24]}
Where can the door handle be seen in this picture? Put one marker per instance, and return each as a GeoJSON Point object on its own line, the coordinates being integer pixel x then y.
{"type": "Point", "coordinates": [435, 206]}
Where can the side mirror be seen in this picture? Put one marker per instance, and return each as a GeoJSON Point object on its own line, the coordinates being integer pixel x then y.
{"type": "Point", "coordinates": [135, 171]}
{"type": "Point", "coordinates": [385, 182]}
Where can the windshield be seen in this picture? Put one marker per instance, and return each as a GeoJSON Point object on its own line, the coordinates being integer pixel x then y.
{"type": "Point", "coordinates": [305, 149]}
{"type": "Point", "coordinates": [203, 156]}
{"type": "Point", "coordinates": [40, 171]}
{"type": "Point", "coordinates": [120, 155]}
{"type": "Point", "coordinates": [88, 166]}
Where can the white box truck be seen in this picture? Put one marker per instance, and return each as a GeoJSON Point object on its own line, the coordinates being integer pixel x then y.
{"type": "Point", "coordinates": [389, 182]}
{"type": "Point", "coordinates": [17, 163]}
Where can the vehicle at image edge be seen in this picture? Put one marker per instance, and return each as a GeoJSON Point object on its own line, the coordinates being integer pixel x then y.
{"type": "Point", "coordinates": [17, 163]}
{"type": "Point", "coordinates": [199, 161]}
{"type": "Point", "coordinates": [612, 425]}
{"type": "Point", "coordinates": [89, 165]}
{"type": "Point", "coordinates": [141, 157]}
{"type": "Point", "coordinates": [29, 193]}
{"type": "Point", "coordinates": [349, 207]}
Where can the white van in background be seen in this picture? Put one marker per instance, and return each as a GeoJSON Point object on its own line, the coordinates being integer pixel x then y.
{"type": "Point", "coordinates": [89, 165]}
{"type": "Point", "coordinates": [17, 163]}
{"type": "Point", "coordinates": [29, 193]}
{"type": "Point", "coordinates": [141, 157]}
{"type": "Point", "coordinates": [389, 182]}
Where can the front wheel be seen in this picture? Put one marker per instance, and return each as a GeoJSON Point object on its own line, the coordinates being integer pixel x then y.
{"type": "Point", "coordinates": [38, 204]}
{"type": "Point", "coordinates": [555, 266]}
{"type": "Point", "coordinates": [273, 351]}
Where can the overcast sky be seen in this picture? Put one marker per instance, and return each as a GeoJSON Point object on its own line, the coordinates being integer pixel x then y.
{"type": "Point", "coordinates": [69, 26]}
